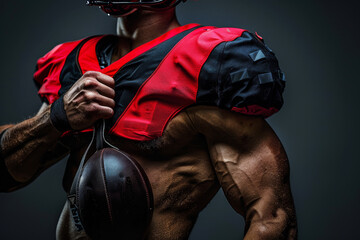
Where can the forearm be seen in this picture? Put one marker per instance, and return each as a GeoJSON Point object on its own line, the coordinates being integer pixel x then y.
{"type": "Point", "coordinates": [25, 146]}
{"type": "Point", "coordinates": [280, 226]}
{"type": "Point", "coordinates": [272, 215]}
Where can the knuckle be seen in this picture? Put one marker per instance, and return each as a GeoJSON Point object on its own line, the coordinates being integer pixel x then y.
{"type": "Point", "coordinates": [89, 96]}
{"type": "Point", "coordinates": [76, 102]}
{"type": "Point", "coordinates": [82, 92]}
{"type": "Point", "coordinates": [90, 82]}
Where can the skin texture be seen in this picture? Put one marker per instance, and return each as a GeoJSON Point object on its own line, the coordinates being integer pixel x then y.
{"type": "Point", "coordinates": [202, 149]}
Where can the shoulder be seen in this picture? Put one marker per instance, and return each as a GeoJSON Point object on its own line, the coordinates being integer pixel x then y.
{"type": "Point", "coordinates": [55, 56]}
{"type": "Point", "coordinates": [241, 74]}
{"type": "Point", "coordinates": [237, 49]}
{"type": "Point", "coordinates": [48, 68]}
{"type": "Point", "coordinates": [208, 34]}
{"type": "Point", "coordinates": [61, 51]}
{"type": "Point", "coordinates": [236, 44]}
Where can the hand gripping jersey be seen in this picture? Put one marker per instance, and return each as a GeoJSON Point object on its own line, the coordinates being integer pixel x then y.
{"type": "Point", "coordinates": [191, 65]}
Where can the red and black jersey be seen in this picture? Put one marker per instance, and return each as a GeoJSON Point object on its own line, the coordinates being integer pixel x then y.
{"type": "Point", "coordinates": [190, 65]}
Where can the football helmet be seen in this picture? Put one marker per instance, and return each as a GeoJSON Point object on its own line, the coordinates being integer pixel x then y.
{"type": "Point", "coordinates": [120, 8]}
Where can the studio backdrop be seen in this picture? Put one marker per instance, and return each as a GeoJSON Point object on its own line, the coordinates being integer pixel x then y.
{"type": "Point", "coordinates": [316, 43]}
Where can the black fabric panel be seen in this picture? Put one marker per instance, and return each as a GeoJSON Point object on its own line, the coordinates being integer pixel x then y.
{"type": "Point", "coordinates": [235, 92]}
{"type": "Point", "coordinates": [105, 48]}
{"type": "Point", "coordinates": [208, 79]}
{"type": "Point", "coordinates": [245, 72]}
{"type": "Point", "coordinates": [133, 74]}
{"type": "Point", "coordinates": [71, 72]}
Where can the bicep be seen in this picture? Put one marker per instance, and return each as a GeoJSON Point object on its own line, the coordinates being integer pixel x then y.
{"type": "Point", "coordinates": [249, 160]}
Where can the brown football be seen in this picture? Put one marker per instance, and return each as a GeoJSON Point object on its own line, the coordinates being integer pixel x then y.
{"type": "Point", "coordinates": [114, 197]}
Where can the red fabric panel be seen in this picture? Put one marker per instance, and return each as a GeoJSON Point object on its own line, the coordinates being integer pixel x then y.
{"type": "Point", "coordinates": [255, 110]}
{"type": "Point", "coordinates": [49, 68]}
{"type": "Point", "coordinates": [172, 87]}
{"type": "Point", "coordinates": [87, 59]}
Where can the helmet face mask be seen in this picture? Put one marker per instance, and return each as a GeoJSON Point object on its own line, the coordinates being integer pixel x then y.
{"type": "Point", "coordinates": [120, 8]}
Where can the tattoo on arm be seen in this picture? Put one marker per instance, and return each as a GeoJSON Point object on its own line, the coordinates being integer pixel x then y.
{"type": "Point", "coordinates": [28, 148]}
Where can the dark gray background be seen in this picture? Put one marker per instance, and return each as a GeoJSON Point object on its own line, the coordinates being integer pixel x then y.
{"type": "Point", "coordinates": [316, 43]}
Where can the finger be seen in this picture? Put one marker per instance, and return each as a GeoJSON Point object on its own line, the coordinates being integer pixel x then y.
{"type": "Point", "coordinates": [107, 80]}
{"type": "Point", "coordinates": [94, 84]}
{"type": "Point", "coordinates": [95, 97]}
{"type": "Point", "coordinates": [105, 112]}
{"type": "Point", "coordinates": [105, 90]}
{"type": "Point", "coordinates": [105, 101]}
{"type": "Point", "coordinates": [99, 111]}
{"type": "Point", "coordinates": [103, 78]}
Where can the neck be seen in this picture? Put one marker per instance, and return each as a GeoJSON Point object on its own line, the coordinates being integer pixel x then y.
{"type": "Point", "coordinates": [143, 26]}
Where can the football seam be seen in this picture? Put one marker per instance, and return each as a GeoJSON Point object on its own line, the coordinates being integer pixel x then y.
{"type": "Point", "coordinates": [109, 208]}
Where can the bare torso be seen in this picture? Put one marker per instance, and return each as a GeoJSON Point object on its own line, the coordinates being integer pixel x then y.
{"type": "Point", "coordinates": [180, 172]}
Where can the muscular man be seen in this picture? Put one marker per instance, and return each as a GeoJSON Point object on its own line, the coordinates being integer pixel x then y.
{"type": "Point", "coordinates": [187, 102]}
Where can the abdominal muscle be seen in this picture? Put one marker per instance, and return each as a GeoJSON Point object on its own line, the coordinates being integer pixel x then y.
{"type": "Point", "coordinates": [181, 175]}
